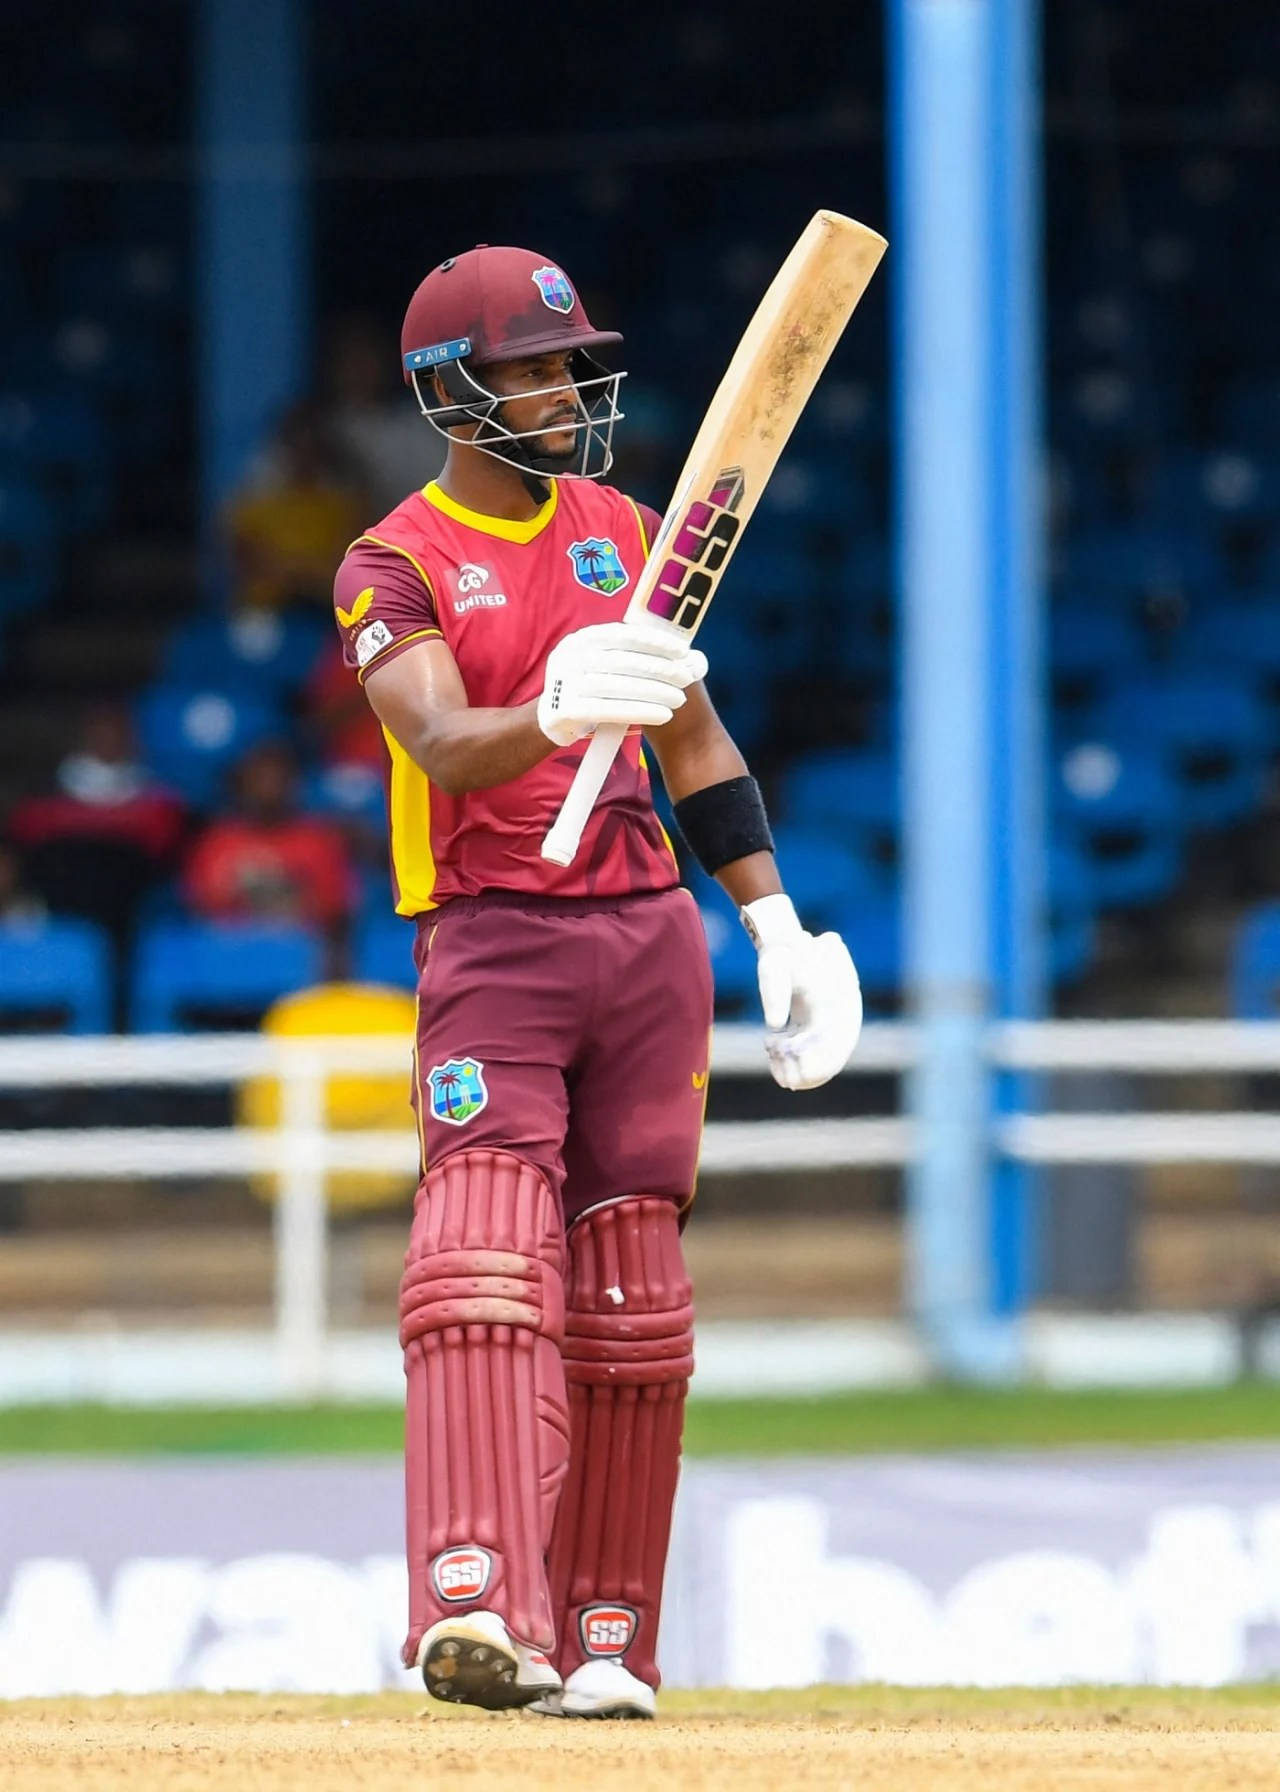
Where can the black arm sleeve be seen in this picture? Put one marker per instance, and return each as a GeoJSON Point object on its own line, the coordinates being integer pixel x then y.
{"type": "Point", "coordinates": [724, 822]}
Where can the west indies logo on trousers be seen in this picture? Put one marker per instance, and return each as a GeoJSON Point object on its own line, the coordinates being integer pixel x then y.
{"type": "Point", "coordinates": [458, 1090]}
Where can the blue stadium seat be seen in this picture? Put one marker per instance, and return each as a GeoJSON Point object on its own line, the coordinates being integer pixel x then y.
{"type": "Point", "coordinates": [868, 568]}
{"type": "Point", "coordinates": [1091, 649]}
{"type": "Point", "coordinates": [122, 281]}
{"type": "Point", "coordinates": [1240, 637]}
{"type": "Point", "coordinates": [28, 551]}
{"type": "Point", "coordinates": [353, 793]}
{"type": "Point", "coordinates": [104, 356]}
{"type": "Point", "coordinates": [824, 878]}
{"type": "Point", "coordinates": [1213, 732]}
{"type": "Point", "coordinates": [738, 680]}
{"type": "Point", "coordinates": [1072, 910]}
{"type": "Point", "coordinates": [872, 930]}
{"type": "Point", "coordinates": [1120, 805]}
{"type": "Point", "coordinates": [1252, 417]}
{"type": "Point", "coordinates": [383, 950]}
{"type": "Point", "coordinates": [256, 651]}
{"type": "Point", "coordinates": [857, 794]}
{"type": "Point", "coordinates": [192, 734]}
{"type": "Point", "coordinates": [1227, 482]}
{"type": "Point", "coordinates": [733, 957]}
{"type": "Point", "coordinates": [199, 967]}
{"type": "Point", "coordinates": [1104, 567]}
{"type": "Point", "coordinates": [821, 490]}
{"type": "Point", "coordinates": [733, 961]}
{"type": "Point", "coordinates": [56, 966]}
{"type": "Point", "coordinates": [1255, 965]}
{"type": "Point", "coordinates": [771, 567]}
{"type": "Point", "coordinates": [56, 437]}
{"type": "Point", "coordinates": [842, 411]}
{"type": "Point", "coordinates": [1073, 942]}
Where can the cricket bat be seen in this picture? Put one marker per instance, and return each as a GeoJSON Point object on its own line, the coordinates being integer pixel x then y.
{"type": "Point", "coordinates": [757, 404]}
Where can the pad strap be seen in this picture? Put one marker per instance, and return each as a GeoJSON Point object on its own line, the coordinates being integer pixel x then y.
{"type": "Point", "coordinates": [486, 1421]}
{"type": "Point", "coordinates": [628, 1355]}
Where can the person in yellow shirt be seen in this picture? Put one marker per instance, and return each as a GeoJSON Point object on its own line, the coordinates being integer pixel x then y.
{"type": "Point", "coordinates": [287, 532]}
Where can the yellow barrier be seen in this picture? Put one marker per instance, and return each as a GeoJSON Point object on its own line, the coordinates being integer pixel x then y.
{"type": "Point", "coordinates": [352, 1101]}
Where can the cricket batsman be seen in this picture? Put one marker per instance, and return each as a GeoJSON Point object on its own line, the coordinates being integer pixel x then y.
{"type": "Point", "coordinates": [564, 1014]}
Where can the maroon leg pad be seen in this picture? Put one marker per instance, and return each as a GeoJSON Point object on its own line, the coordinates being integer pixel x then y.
{"type": "Point", "coordinates": [486, 1420]}
{"type": "Point", "coordinates": [628, 1355]}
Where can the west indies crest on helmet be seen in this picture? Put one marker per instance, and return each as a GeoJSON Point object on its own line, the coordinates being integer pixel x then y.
{"type": "Point", "coordinates": [500, 304]}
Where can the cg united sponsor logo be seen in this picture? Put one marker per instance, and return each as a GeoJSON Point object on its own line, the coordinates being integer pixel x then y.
{"type": "Point", "coordinates": [472, 595]}
{"type": "Point", "coordinates": [463, 1573]}
{"type": "Point", "coordinates": [607, 1630]}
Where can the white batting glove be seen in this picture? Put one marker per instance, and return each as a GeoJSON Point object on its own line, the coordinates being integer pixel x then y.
{"type": "Point", "coordinates": [618, 672]}
{"type": "Point", "coordinates": [809, 992]}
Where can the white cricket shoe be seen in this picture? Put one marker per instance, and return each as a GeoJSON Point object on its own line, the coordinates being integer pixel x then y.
{"type": "Point", "coordinates": [599, 1689]}
{"type": "Point", "coordinates": [473, 1659]}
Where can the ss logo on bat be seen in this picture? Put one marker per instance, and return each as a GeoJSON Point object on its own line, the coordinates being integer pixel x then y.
{"type": "Point", "coordinates": [699, 550]}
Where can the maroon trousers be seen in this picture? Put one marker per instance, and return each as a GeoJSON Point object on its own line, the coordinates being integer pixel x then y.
{"type": "Point", "coordinates": [560, 1086]}
{"type": "Point", "coordinates": [573, 1034]}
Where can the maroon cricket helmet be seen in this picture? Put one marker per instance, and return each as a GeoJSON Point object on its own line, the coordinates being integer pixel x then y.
{"type": "Point", "coordinates": [494, 304]}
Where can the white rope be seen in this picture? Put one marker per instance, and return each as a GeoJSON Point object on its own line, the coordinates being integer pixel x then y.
{"type": "Point", "coordinates": [118, 1060]}
{"type": "Point", "coordinates": [1158, 1047]}
{"type": "Point", "coordinates": [1141, 1138]}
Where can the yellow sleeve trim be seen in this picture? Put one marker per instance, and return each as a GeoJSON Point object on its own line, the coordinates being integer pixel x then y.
{"type": "Point", "coordinates": [419, 634]}
{"type": "Point", "coordinates": [644, 537]}
{"type": "Point", "coordinates": [394, 548]}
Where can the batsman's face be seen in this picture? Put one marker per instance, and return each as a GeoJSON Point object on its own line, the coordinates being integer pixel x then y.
{"type": "Point", "coordinates": [531, 401]}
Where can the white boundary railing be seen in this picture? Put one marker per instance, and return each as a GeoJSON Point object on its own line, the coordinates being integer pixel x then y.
{"type": "Point", "coordinates": [302, 1148]}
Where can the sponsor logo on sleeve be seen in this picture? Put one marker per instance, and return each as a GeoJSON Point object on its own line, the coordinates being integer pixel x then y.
{"type": "Point", "coordinates": [359, 609]}
{"type": "Point", "coordinates": [371, 641]}
{"type": "Point", "coordinates": [607, 1630]}
{"type": "Point", "coordinates": [462, 1573]}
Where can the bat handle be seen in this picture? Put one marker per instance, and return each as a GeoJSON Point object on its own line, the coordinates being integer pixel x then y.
{"type": "Point", "coordinates": [561, 843]}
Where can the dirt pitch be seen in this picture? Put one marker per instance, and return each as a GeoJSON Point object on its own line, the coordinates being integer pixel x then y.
{"type": "Point", "coordinates": [867, 1739]}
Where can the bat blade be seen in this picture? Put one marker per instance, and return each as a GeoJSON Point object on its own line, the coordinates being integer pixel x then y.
{"type": "Point", "coordinates": [756, 406]}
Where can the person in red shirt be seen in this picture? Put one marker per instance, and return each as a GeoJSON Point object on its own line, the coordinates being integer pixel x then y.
{"type": "Point", "coordinates": [267, 862]}
{"type": "Point", "coordinates": [564, 1013]}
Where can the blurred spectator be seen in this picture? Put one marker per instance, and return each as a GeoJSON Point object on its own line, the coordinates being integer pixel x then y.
{"type": "Point", "coordinates": [269, 862]}
{"type": "Point", "coordinates": [372, 417]}
{"type": "Point", "coordinates": [107, 833]}
{"type": "Point", "coordinates": [19, 907]}
{"type": "Point", "coordinates": [344, 728]}
{"type": "Point", "coordinates": [289, 528]}
{"type": "Point", "coordinates": [376, 419]}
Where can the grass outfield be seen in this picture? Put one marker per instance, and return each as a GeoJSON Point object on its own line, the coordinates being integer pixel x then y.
{"type": "Point", "coordinates": [872, 1738]}
{"type": "Point", "coordinates": [832, 1425]}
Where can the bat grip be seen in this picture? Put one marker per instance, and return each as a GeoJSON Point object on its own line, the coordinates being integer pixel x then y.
{"type": "Point", "coordinates": [561, 843]}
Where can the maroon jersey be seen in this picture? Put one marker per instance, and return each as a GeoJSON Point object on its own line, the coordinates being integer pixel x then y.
{"type": "Point", "coordinates": [501, 594]}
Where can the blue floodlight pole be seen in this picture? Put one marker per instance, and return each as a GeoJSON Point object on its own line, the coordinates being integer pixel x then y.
{"type": "Point", "coordinates": [252, 231]}
{"type": "Point", "coordinates": [963, 271]}
{"type": "Point", "coordinates": [1019, 658]}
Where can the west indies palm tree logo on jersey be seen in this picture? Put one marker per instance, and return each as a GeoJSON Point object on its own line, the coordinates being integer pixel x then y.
{"type": "Point", "coordinates": [598, 565]}
{"type": "Point", "coordinates": [458, 1090]}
